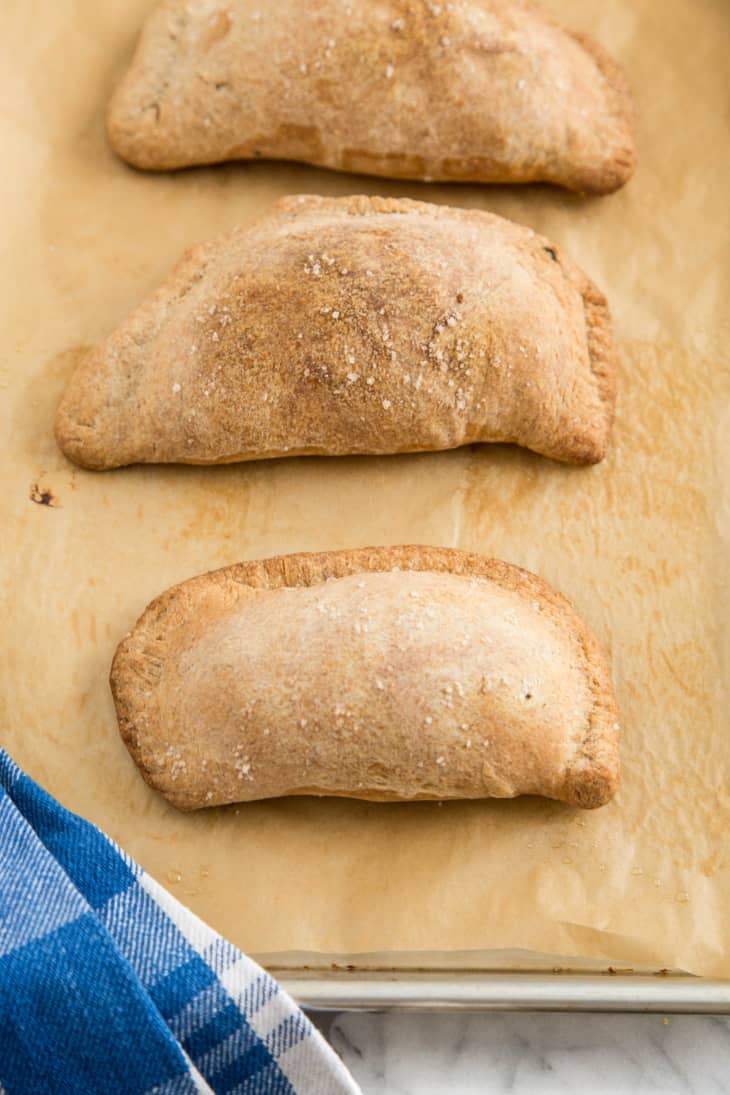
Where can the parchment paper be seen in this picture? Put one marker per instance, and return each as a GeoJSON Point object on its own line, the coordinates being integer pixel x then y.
{"type": "Point", "coordinates": [639, 542]}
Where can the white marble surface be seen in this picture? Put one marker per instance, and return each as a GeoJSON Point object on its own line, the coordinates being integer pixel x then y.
{"type": "Point", "coordinates": [533, 1054]}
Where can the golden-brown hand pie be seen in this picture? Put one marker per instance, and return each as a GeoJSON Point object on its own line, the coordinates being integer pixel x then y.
{"type": "Point", "coordinates": [387, 673]}
{"type": "Point", "coordinates": [475, 90]}
{"type": "Point", "coordinates": [352, 325]}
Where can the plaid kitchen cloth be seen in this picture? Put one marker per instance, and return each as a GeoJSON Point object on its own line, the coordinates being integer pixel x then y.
{"type": "Point", "coordinates": [108, 984]}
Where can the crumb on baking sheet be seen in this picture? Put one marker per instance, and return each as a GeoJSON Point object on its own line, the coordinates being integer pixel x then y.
{"type": "Point", "coordinates": [43, 496]}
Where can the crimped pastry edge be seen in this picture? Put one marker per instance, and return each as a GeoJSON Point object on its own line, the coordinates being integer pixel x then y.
{"type": "Point", "coordinates": [605, 179]}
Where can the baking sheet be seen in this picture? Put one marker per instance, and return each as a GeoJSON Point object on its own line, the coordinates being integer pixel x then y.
{"type": "Point", "coordinates": [432, 990]}
{"type": "Point", "coordinates": [639, 542]}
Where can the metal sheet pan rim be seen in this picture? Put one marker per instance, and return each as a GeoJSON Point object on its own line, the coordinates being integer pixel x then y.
{"type": "Point", "coordinates": [443, 991]}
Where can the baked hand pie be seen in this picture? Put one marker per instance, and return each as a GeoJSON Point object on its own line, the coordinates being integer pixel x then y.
{"type": "Point", "coordinates": [470, 91]}
{"type": "Point", "coordinates": [352, 325]}
{"type": "Point", "coordinates": [390, 673]}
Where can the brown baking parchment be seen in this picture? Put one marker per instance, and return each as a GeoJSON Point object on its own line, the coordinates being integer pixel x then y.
{"type": "Point", "coordinates": [639, 542]}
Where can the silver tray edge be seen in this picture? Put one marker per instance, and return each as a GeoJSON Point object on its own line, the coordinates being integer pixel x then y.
{"type": "Point", "coordinates": [443, 991]}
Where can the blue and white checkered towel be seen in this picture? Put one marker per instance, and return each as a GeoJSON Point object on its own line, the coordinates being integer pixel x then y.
{"type": "Point", "coordinates": [109, 985]}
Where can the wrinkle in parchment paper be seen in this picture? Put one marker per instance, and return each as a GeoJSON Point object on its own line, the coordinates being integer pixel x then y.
{"type": "Point", "coordinates": [639, 542]}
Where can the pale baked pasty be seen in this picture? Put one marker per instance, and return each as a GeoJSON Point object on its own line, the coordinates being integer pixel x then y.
{"type": "Point", "coordinates": [476, 90]}
{"type": "Point", "coordinates": [352, 325]}
{"type": "Point", "coordinates": [386, 673]}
